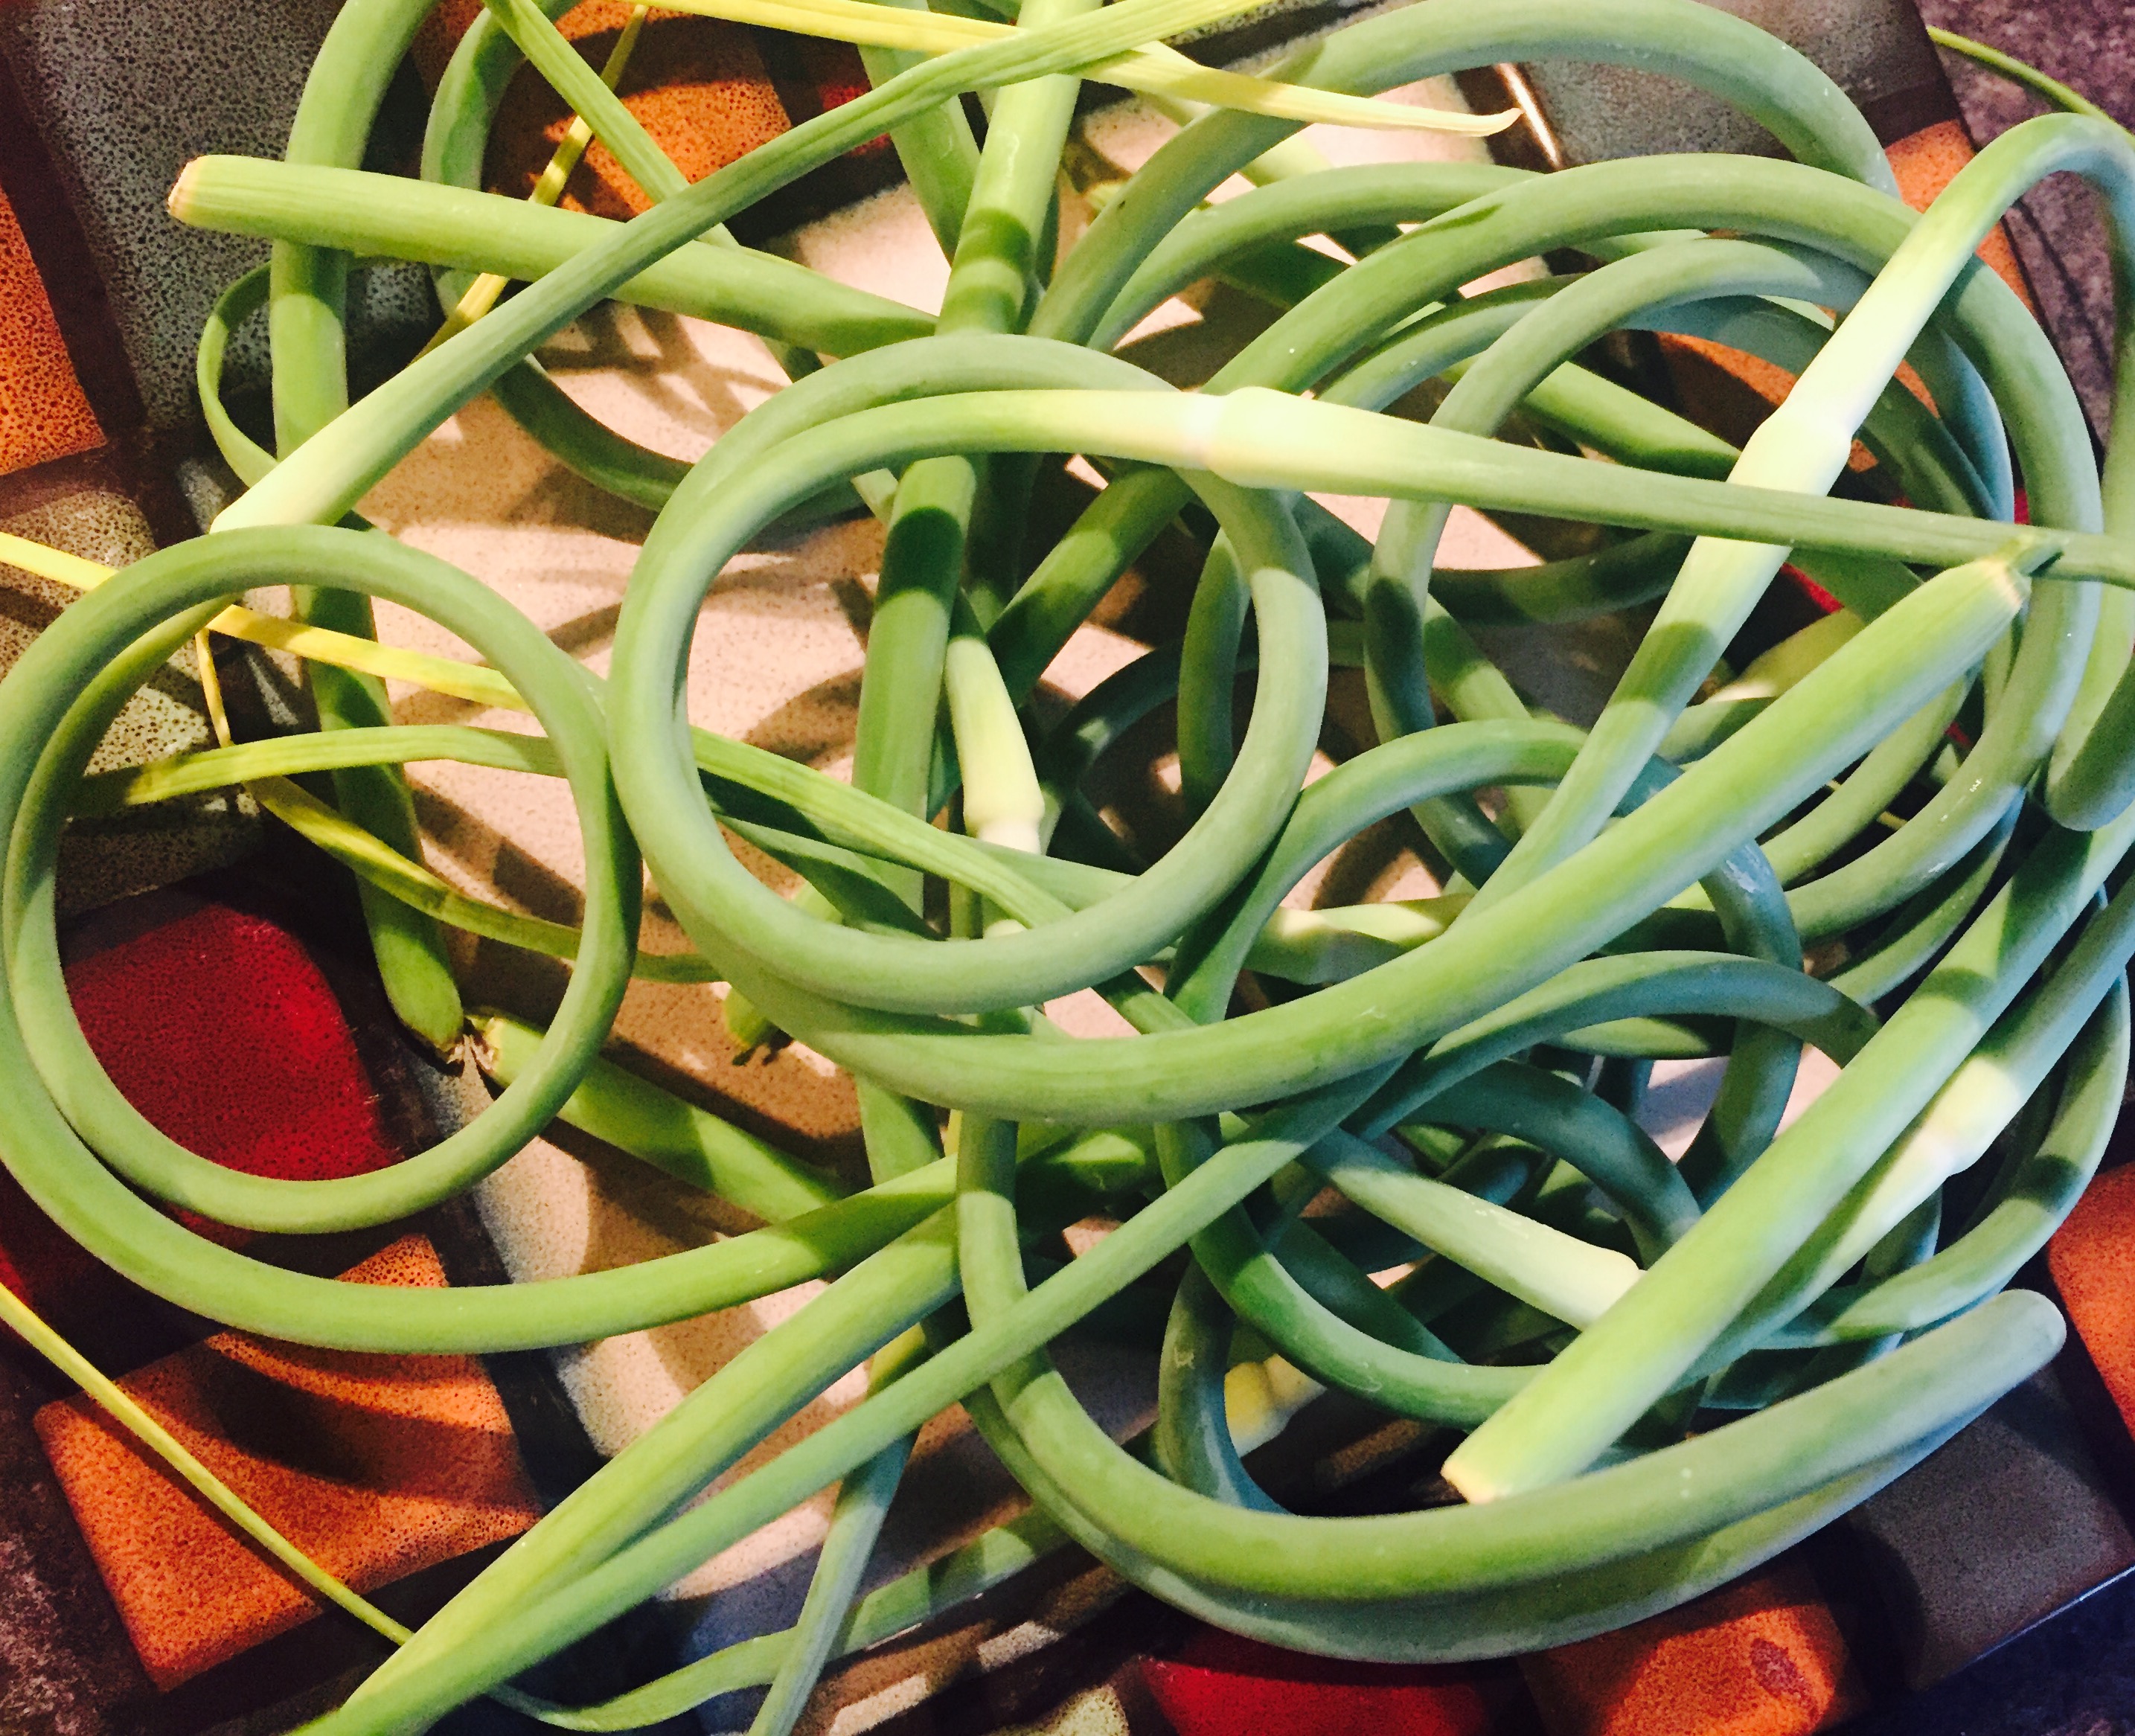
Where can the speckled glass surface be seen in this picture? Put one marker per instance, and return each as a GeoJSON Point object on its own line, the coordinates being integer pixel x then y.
{"type": "Point", "coordinates": [2091, 46]}
{"type": "Point", "coordinates": [124, 95]}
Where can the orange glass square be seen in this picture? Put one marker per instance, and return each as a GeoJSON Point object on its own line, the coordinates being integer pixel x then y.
{"type": "Point", "coordinates": [44, 414]}
{"type": "Point", "coordinates": [376, 1467]}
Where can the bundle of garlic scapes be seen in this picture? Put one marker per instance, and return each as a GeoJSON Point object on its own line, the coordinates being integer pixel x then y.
{"type": "Point", "coordinates": [1646, 1375]}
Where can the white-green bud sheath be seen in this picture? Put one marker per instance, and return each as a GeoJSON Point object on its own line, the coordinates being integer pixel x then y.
{"type": "Point", "coordinates": [1003, 804]}
{"type": "Point", "coordinates": [1562, 1276]}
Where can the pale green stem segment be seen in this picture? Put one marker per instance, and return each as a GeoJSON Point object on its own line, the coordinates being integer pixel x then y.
{"type": "Point", "coordinates": [1558, 1274]}
{"type": "Point", "coordinates": [2023, 1212]}
{"type": "Point", "coordinates": [1965, 1116]}
{"type": "Point", "coordinates": [863, 1503]}
{"type": "Point", "coordinates": [1803, 444]}
{"type": "Point", "coordinates": [1003, 804]}
{"type": "Point", "coordinates": [692, 1145]}
{"type": "Point", "coordinates": [1634, 1354]}
{"type": "Point", "coordinates": [480, 295]}
{"type": "Point", "coordinates": [364, 213]}
{"type": "Point", "coordinates": [377, 433]}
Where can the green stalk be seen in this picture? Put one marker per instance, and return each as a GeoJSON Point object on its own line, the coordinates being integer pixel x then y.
{"type": "Point", "coordinates": [307, 290]}
{"type": "Point", "coordinates": [1825, 721]}
{"type": "Point", "coordinates": [1635, 1354]}
{"type": "Point", "coordinates": [374, 435]}
{"type": "Point", "coordinates": [863, 1503]}
{"type": "Point", "coordinates": [366, 214]}
{"type": "Point", "coordinates": [2023, 1212]}
{"type": "Point", "coordinates": [1804, 444]}
{"type": "Point", "coordinates": [1975, 1104]}
{"type": "Point", "coordinates": [689, 1144]}
{"type": "Point", "coordinates": [1916, 1394]}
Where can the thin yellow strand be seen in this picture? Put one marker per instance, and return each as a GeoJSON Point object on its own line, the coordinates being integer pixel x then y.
{"type": "Point", "coordinates": [482, 294]}
{"type": "Point", "coordinates": [473, 682]}
{"type": "Point", "coordinates": [128, 1414]}
{"type": "Point", "coordinates": [1154, 69]}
